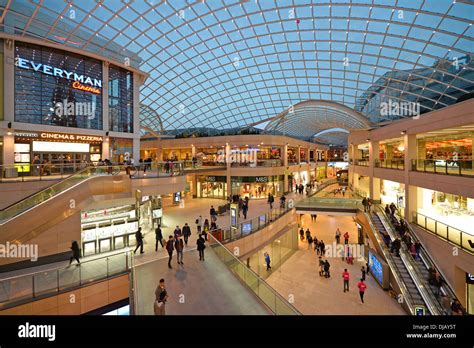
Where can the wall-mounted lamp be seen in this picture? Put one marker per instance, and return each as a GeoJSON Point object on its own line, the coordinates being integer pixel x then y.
{"type": "Point", "coordinates": [403, 132]}
{"type": "Point", "coordinates": [107, 134]}
{"type": "Point", "coordinates": [368, 139]}
{"type": "Point", "coordinates": [9, 125]}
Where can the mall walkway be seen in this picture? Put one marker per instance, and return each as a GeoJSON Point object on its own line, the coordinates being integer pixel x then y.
{"type": "Point", "coordinates": [313, 294]}
{"type": "Point", "coordinates": [195, 288]}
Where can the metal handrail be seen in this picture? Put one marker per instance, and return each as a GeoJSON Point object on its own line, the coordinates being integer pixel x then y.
{"type": "Point", "coordinates": [260, 279]}
{"type": "Point", "coordinates": [388, 256]}
{"type": "Point", "coordinates": [413, 270]}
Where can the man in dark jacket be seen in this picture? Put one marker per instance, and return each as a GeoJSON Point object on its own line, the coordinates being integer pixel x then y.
{"type": "Point", "coordinates": [139, 239]}
{"type": "Point", "coordinates": [213, 213]}
{"type": "Point", "coordinates": [200, 247]}
{"type": "Point", "coordinates": [186, 233]}
{"type": "Point", "coordinates": [170, 248]}
{"type": "Point", "coordinates": [158, 237]}
{"type": "Point", "coordinates": [76, 253]}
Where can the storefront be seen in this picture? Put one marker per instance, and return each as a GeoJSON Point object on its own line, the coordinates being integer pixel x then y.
{"type": "Point", "coordinates": [334, 167]}
{"type": "Point", "coordinates": [393, 192]}
{"type": "Point", "coordinates": [257, 186]}
{"type": "Point", "coordinates": [453, 146]}
{"type": "Point", "coordinates": [178, 154]}
{"type": "Point", "coordinates": [452, 210]}
{"type": "Point", "coordinates": [108, 229]}
{"type": "Point", "coordinates": [392, 150]}
{"type": "Point", "coordinates": [60, 152]}
{"type": "Point", "coordinates": [301, 177]}
{"type": "Point", "coordinates": [118, 147]}
{"type": "Point", "coordinates": [212, 187]}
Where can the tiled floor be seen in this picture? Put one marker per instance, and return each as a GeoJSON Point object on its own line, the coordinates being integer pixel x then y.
{"type": "Point", "coordinates": [298, 277]}
{"type": "Point", "coordinates": [197, 287]}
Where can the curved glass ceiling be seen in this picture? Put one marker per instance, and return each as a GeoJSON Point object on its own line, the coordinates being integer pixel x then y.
{"type": "Point", "coordinates": [225, 64]}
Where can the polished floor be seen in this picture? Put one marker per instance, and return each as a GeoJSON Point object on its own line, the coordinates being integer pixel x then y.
{"type": "Point", "coordinates": [298, 277]}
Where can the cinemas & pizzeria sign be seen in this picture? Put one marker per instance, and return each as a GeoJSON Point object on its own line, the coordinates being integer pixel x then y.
{"type": "Point", "coordinates": [62, 137]}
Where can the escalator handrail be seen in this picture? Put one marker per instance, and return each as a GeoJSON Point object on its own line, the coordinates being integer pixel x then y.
{"type": "Point", "coordinates": [418, 278]}
{"type": "Point", "coordinates": [428, 260]}
{"type": "Point", "coordinates": [71, 177]}
{"type": "Point", "coordinates": [389, 257]}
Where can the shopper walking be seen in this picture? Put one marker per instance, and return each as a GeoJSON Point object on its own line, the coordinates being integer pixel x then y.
{"type": "Point", "coordinates": [245, 209]}
{"type": "Point", "coordinates": [199, 224]}
{"type": "Point", "coordinates": [200, 247]}
{"type": "Point", "coordinates": [161, 296]}
{"type": "Point", "coordinates": [186, 233]}
{"type": "Point", "coordinates": [346, 238]}
{"type": "Point", "coordinates": [321, 266]}
{"type": "Point", "coordinates": [76, 253]}
{"type": "Point", "coordinates": [177, 232]}
{"type": "Point", "coordinates": [267, 261]}
{"type": "Point", "coordinates": [327, 267]}
{"type": "Point", "coordinates": [169, 249]}
{"type": "Point", "coordinates": [213, 213]}
{"type": "Point", "coordinates": [139, 240]}
{"type": "Point", "coordinates": [345, 277]}
{"type": "Point", "coordinates": [362, 287]}
{"type": "Point", "coordinates": [338, 236]}
{"type": "Point", "coordinates": [270, 200]}
{"type": "Point", "coordinates": [301, 234]}
{"type": "Point", "coordinates": [158, 237]}
{"type": "Point", "coordinates": [363, 272]}
{"type": "Point", "coordinates": [179, 246]}
{"type": "Point", "coordinates": [364, 203]}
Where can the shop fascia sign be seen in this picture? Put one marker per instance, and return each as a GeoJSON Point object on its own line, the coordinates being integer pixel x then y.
{"type": "Point", "coordinates": [58, 72]}
{"type": "Point", "coordinates": [238, 156]}
{"type": "Point", "coordinates": [60, 136]}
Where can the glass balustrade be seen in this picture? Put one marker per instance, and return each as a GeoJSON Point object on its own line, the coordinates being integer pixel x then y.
{"type": "Point", "coordinates": [395, 163]}
{"type": "Point", "coordinates": [273, 300]}
{"type": "Point", "coordinates": [446, 232]}
{"type": "Point", "coordinates": [446, 167]}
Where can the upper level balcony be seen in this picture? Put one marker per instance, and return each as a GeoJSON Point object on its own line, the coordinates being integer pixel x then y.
{"type": "Point", "coordinates": [444, 166]}
{"type": "Point", "coordinates": [394, 163]}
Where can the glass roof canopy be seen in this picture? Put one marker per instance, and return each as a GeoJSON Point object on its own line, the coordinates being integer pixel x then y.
{"type": "Point", "coordinates": [229, 64]}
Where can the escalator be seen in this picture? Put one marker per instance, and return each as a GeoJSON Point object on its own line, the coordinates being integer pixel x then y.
{"type": "Point", "coordinates": [33, 215]}
{"type": "Point", "coordinates": [405, 275]}
{"type": "Point", "coordinates": [409, 271]}
{"type": "Point", "coordinates": [422, 265]}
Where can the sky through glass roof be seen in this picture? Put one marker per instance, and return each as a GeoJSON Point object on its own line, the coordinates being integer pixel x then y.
{"type": "Point", "coordinates": [228, 64]}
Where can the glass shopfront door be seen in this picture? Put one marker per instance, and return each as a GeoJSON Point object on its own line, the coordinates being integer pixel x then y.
{"type": "Point", "coordinates": [62, 163]}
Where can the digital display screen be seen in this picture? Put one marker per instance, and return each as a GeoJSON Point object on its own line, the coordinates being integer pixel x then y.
{"type": "Point", "coordinates": [49, 146]}
{"type": "Point", "coordinates": [233, 216]}
{"type": "Point", "coordinates": [375, 267]}
{"type": "Point", "coordinates": [21, 148]}
{"type": "Point", "coordinates": [246, 228]}
{"type": "Point", "coordinates": [157, 213]}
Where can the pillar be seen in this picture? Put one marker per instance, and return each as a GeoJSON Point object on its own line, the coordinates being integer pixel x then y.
{"type": "Point", "coordinates": [411, 153]}
{"type": "Point", "coordinates": [105, 102]}
{"type": "Point", "coordinates": [228, 170]}
{"type": "Point", "coordinates": [285, 166]}
{"type": "Point", "coordinates": [8, 148]}
{"type": "Point", "coordinates": [373, 155]}
{"type": "Point", "coordinates": [307, 155]}
{"type": "Point", "coordinates": [298, 155]}
{"type": "Point", "coordinates": [106, 149]}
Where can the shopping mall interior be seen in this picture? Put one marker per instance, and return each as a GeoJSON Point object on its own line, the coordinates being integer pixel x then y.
{"type": "Point", "coordinates": [293, 157]}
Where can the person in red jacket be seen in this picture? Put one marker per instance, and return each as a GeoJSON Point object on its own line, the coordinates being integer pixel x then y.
{"type": "Point", "coordinates": [345, 276]}
{"type": "Point", "coordinates": [361, 285]}
{"type": "Point", "coordinates": [346, 238]}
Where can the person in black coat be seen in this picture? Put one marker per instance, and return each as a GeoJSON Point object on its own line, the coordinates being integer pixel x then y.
{"type": "Point", "coordinates": [200, 247]}
{"type": "Point", "coordinates": [159, 237]}
{"type": "Point", "coordinates": [76, 253]}
{"type": "Point", "coordinates": [186, 233]}
{"type": "Point", "coordinates": [139, 239]}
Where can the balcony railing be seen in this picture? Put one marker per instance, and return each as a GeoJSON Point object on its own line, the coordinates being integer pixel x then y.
{"type": "Point", "coordinates": [29, 287]}
{"type": "Point", "coordinates": [395, 163]}
{"type": "Point", "coordinates": [362, 162]}
{"type": "Point", "coordinates": [261, 163]}
{"type": "Point", "coordinates": [441, 166]}
{"type": "Point", "coordinates": [444, 231]}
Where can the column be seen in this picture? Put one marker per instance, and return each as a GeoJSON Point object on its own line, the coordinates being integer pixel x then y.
{"type": "Point", "coordinates": [8, 148]}
{"type": "Point", "coordinates": [373, 155]}
{"type": "Point", "coordinates": [284, 156]}
{"type": "Point", "coordinates": [411, 153]}
{"type": "Point", "coordinates": [307, 155]}
{"type": "Point", "coordinates": [106, 149]}
{"type": "Point", "coordinates": [228, 170]}
{"type": "Point", "coordinates": [9, 80]}
{"type": "Point", "coordinates": [105, 100]}
{"type": "Point", "coordinates": [136, 116]}
{"type": "Point", "coordinates": [298, 155]}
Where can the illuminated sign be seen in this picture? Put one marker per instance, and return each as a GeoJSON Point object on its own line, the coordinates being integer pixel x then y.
{"type": "Point", "coordinates": [375, 267]}
{"type": "Point", "coordinates": [261, 179]}
{"type": "Point", "coordinates": [57, 72]}
{"type": "Point", "coordinates": [71, 137]}
{"type": "Point", "coordinates": [81, 87]}
{"type": "Point", "coordinates": [48, 146]}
